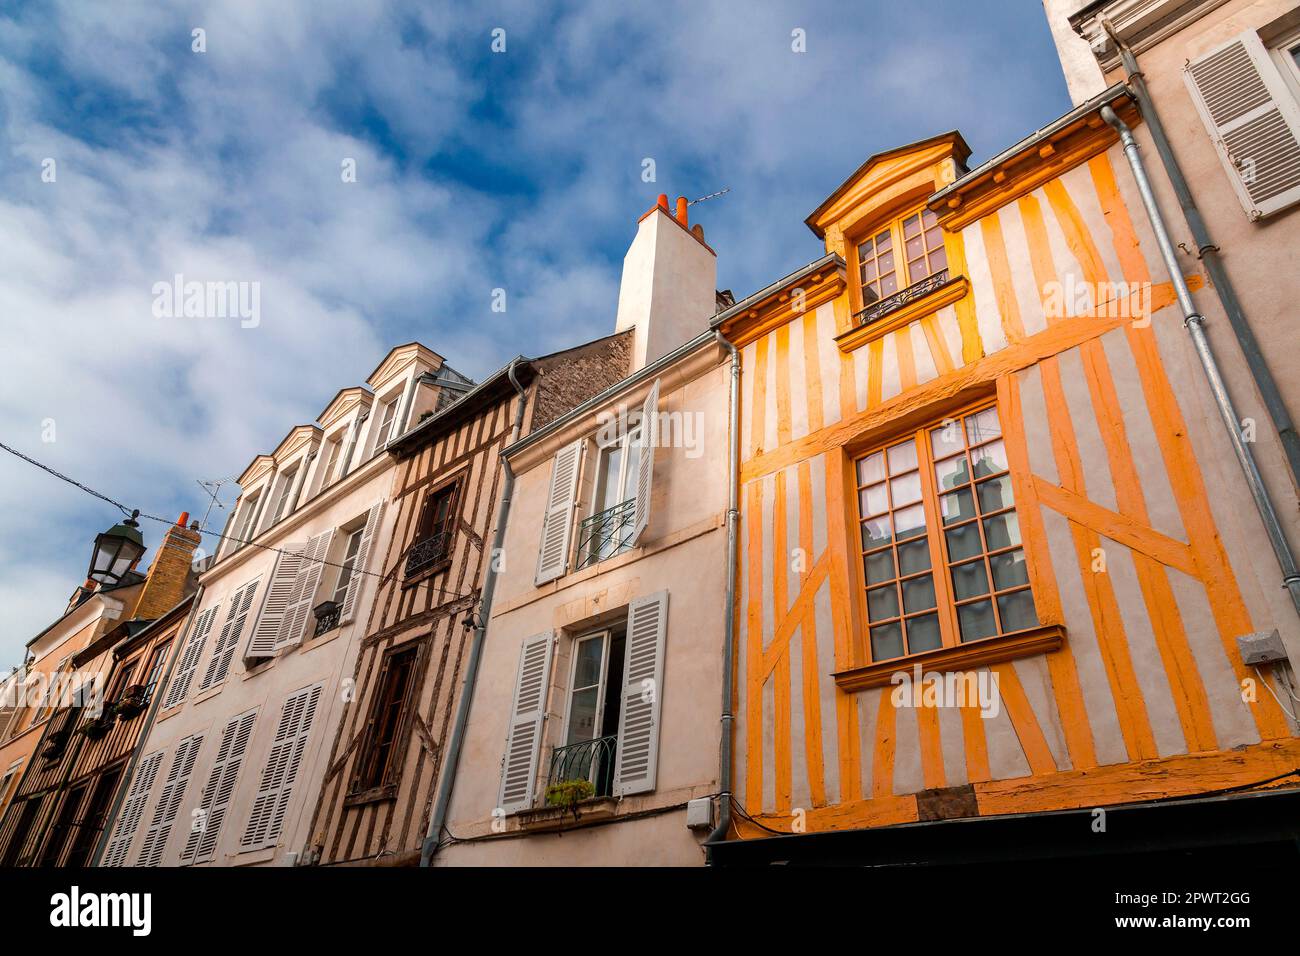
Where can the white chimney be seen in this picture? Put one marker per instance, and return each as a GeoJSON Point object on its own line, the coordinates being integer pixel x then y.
{"type": "Point", "coordinates": [668, 293]}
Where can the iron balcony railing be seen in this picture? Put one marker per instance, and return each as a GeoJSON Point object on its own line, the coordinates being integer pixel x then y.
{"type": "Point", "coordinates": [588, 760]}
{"type": "Point", "coordinates": [606, 534]}
{"type": "Point", "coordinates": [878, 310]}
{"type": "Point", "coordinates": [428, 552]}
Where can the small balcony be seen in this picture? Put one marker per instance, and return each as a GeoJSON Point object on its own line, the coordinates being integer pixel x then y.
{"type": "Point", "coordinates": [428, 552]}
{"type": "Point", "coordinates": [590, 760]}
{"type": "Point", "coordinates": [606, 534]}
{"type": "Point", "coordinates": [878, 310]}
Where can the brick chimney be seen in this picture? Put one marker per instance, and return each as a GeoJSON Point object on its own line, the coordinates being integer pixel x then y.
{"type": "Point", "coordinates": [668, 293]}
{"type": "Point", "coordinates": [170, 577]}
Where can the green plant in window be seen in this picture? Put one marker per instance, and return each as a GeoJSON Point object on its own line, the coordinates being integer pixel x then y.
{"type": "Point", "coordinates": [567, 794]}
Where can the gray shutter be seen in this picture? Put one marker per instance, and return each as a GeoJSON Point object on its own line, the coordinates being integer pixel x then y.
{"type": "Point", "coordinates": [180, 682]}
{"type": "Point", "coordinates": [231, 633]}
{"type": "Point", "coordinates": [201, 843]}
{"type": "Point", "coordinates": [527, 717]}
{"type": "Point", "coordinates": [359, 567]}
{"type": "Point", "coordinates": [557, 524]}
{"type": "Point", "coordinates": [646, 464]}
{"type": "Point", "coordinates": [643, 679]}
{"type": "Point", "coordinates": [1254, 121]}
{"type": "Point", "coordinates": [164, 814]}
{"type": "Point", "coordinates": [282, 765]}
{"type": "Point", "coordinates": [132, 810]}
{"type": "Point", "coordinates": [271, 619]}
{"type": "Point", "coordinates": [303, 594]}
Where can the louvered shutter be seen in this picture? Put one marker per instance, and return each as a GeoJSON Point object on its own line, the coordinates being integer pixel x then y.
{"type": "Point", "coordinates": [643, 679]}
{"type": "Point", "coordinates": [282, 765]}
{"type": "Point", "coordinates": [1253, 120]}
{"type": "Point", "coordinates": [201, 843]}
{"type": "Point", "coordinates": [303, 593]}
{"type": "Point", "coordinates": [557, 525]}
{"type": "Point", "coordinates": [180, 682]}
{"type": "Point", "coordinates": [359, 566]}
{"type": "Point", "coordinates": [646, 464]}
{"type": "Point", "coordinates": [527, 717]}
{"type": "Point", "coordinates": [276, 602]}
{"type": "Point", "coordinates": [232, 633]}
{"type": "Point", "coordinates": [164, 814]}
{"type": "Point", "coordinates": [132, 810]}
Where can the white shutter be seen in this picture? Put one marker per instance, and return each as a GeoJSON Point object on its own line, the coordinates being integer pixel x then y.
{"type": "Point", "coordinates": [527, 716]}
{"type": "Point", "coordinates": [646, 464]}
{"type": "Point", "coordinates": [205, 828]}
{"type": "Point", "coordinates": [303, 593]}
{"type": "Point", "coordinates": [132, 810]}
{"type": "Point", "coordinates": [643, 679]}
{"type": "Point", "coordinates": [359, 566]}
{"type": "Point", "coordinates": [557, 524]}
{"type": "Point", "coordinates": [231, 633]}
{"type": "Point", "coordinates": [276, 602]}
{"type": "Point", "coordinates": [180, 682]}
{"type": "Point", "coordinates": [164, 814]}
{"type": "Point", "coordinates": [1254, 121]}
{"type": "Point", "coordinates": [282, 764]}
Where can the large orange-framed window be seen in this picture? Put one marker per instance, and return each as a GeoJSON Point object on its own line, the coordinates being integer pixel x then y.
{"type": "Point", "coordinates": [942, 559]}
{"type": "Point", "coordinates": [900, 254]}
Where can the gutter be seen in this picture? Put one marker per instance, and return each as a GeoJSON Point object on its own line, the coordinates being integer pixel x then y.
{"type": "Point", "coordinates": [437, 820]}
{"type": "Point", "coordinates": [751, 300]}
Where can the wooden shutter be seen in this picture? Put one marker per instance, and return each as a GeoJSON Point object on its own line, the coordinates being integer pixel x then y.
{"type": "Point", "coordinates": [276, 602]}
{"type": "Point", "coordinates": [359, 566]}
{"type": "Point", "coordinates": [527, 717]}
{"type": "Point", "coordinates": [201, 843]}
{"type": "Point", "coordinates": [557, 524]}
{"type": "Point", "coordinates": [132, 810]}
{"type": "Point", "coordinates": [303, 594]}
{"type": "Point", "coordinates": [1254, 121]}
{"type": "Point", "coordinates": [231, 634]}
{"type": "Point", "coordinates": [164, 814]}
{"type": "Point", "coordinates": [180, 682]}
{"type": "Point", "coordinates": [646, 464]}
{"type": "Point", "coordinates": [643, 683]}
{"type": "Point", "coordinates": [282, 764]}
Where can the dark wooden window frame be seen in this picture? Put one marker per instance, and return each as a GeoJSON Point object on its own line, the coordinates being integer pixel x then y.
{"type": "Point", "coordinates": [456, 485]}
{"type": "Point", "coordinates": [387, 788]}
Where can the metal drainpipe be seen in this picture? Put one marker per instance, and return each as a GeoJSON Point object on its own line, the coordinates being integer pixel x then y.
{"type": "Point", "coordinates": [1208, 253]}
{"type": "Point", "coordinates": [155, 703]}
{"type": "Point", "coordinates": [729, 621]}
{"type": "Point", "coordinates": [1195, 324]}
{"type": "Point", "coordinates": [434, 835]}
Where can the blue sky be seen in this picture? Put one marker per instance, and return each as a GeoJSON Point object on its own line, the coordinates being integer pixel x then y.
{"type": "Point", "coordinates": [475, 170]}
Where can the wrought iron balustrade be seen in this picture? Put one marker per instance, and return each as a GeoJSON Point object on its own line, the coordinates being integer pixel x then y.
{"type": "Point", "coordinates": [892, 303]}
{"type": "Point", "coordinates": [606, 534]}
{"type": "Point", "coordinates": [587, 760]}
{"type": "Point", "coordinates": [427, 552]}
{"type": "Point", "coordinates": [327, 618]}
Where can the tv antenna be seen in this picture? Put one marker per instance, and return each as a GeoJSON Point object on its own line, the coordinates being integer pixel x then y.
{"type": "Point", "coordinates": [212, 488]}
{"type": "Point", "coordinates": [721, 192]}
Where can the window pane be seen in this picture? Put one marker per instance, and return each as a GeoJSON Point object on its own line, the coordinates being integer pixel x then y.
{"type": "Point", "coordinates": [902, 458]}
{"type": "Point", "coordinates": [928, 218]}
{"type": "Point", "coordinates": [628, 490]}
{"type": "Point", "coordinates": [875, 532]}
{"type": "Point", "coordinates": [938, 260]}
{"type": "Point", "coordinates": [1002, 531]}
{"type": "Point", "coordinates": [970, 580]}
{"type": "Point", "coordinates": [957, 506]}
{"type": "Point", "coordinates": [952, 472]}
{"type": "Point", "coordinates": [882, 603]}
{"type": "Point", "coordinates": [880, 566]}
{"type": "Point", "coordinates": [582, 715]}
{"type": "Point", "coordinates": [1009, 570]}
{"type": "Point", "coordinates": [868, 270]}
{"type": "Point", "coordinates": [873, 500]}
{"type": "Point", "coordinates": [914, 557]}
{"type": "Point", "coordinates": [889, 282]}
{"type": "Point", "coordinates": [915, 248]}
{"type": "Point", "coordinates": [983, 426]}
{"type": "Point", "coordinates": [905, 490]}
{"type": "Point", "coordinates": [1017, 610]}
{"type": "Point", "coordinates": [923, 633]}
{"type": "Point", "coordinates": [995, 494]}
{"type": "Point", "coordinates": [918, 594]}
{"type": "Point", "coordinates": [911, 226]}
{"type": "Point", "coordinates": [989, 460]}
{"type": "Point", "coordinates": [946, 439]}
{"type": "Point", "coordinates": [883, 242]}
{"type": "Point", "coordinates": [909, 522]}
{"type": "Point", "coordinates": [963, 542]}
{"type": "Point", "coordinates": [865, 249]}
{"type": "Point", "coordinates": [871, 468]}
{"type": "Point", "coordinates": [887, 641]}
{"type": "Point", "coordinates": [976, 620]}
{"type": "Point", "coordinates": [587, 666]}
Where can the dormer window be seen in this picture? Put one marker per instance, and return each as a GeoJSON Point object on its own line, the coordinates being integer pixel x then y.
{"type": "Point", "coordinates": [286, 491]}
{"type": "Point", "coordinates": [386, 415]}
{"type": "Point", "coordinates": [331, 460]}
{"type": "Point", "coordinates": [248, 512]}
{"type": "Point", "coordinates": [920, 240]}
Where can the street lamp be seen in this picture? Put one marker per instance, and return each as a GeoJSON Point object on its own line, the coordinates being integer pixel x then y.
{"type": "Point", "coordinates": [116, 551]}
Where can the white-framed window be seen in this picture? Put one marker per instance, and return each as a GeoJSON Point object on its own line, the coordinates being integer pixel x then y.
{"type": "Point", "coordinates": [351, 546]}
{"type": "Point", "coordinates": [333, 447]}
{"type": "Point", "coordinates": [607, 531]}
{"type": "Point", "coordinates": [9, 781]}
{"type": "Point", "coordinates": [288, 481]}
{"type": "Point", "coordinates": [384, 431]}
{"type": "Point", "coordinates": [247, 513]}
{"type": "Point", "coordinates": [592, 710]}
{"type": "Point", "coordinates": [1286, 52]}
